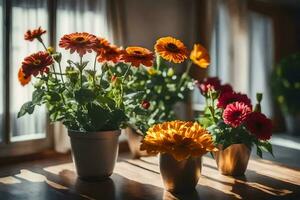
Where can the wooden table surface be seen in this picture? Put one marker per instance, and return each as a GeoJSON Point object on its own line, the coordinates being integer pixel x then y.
{"type": "Point", "coordinates": [140, 179]}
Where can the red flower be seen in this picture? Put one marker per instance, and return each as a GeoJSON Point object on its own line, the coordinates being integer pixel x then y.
{"type": "Point", "coordinates": [235, 113]}
{"type": "Point", "coordinates": [145, 104]}
{"type": "Point", "coordinates": [230, 97]}
{"type": "Point", "coordinates": [34, 34]}
{"type": "Point", "coordinates": [225, 88]}
{"type": "Point", "coordinates": [110, 53]}
{"type": "Point", "coordinates": [212, 83]}
{"type": "Point", "coordinates": [22, 78]}
{"type": "Point", "coordinates": [259, 125]}
{"type": "Point", "coordinates": [137, 56]}
{"type": "Point", "coordinates": [79, 42]}
{"type": "Point", "coordinates": [36, 63]}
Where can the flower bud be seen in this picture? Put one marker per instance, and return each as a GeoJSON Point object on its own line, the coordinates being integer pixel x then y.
{"type": "Point", "coordinates": [51, 50]}
{"type": "Point", "coordinates": [145, 104]}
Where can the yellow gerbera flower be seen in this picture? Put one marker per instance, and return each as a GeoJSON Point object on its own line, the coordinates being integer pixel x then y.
{"type": "Point", "coordinates": [178, 138]}
{"type": "Point", "coordinates": [200, 56]}
{"type": "Point", "coordinates": [171, 49]}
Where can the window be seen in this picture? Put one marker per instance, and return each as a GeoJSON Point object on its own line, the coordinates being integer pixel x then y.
{"type": "Point", "coordinates": [27, 134]}
{"type": "Point", "coordinates": [31, 133]}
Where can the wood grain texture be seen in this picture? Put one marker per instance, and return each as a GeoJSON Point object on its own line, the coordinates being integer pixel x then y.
{"type": "Point", "coordinates": [140, 179]}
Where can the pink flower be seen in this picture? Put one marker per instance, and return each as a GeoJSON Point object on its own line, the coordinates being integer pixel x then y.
{"type": "Point", "coordinates": [236, 113]}
{"type": "Point", "coordinates": [208, 84]}
{"type": "Point", "coordinates": [259, 125]}
{"type": "Point", "coordinates": [230, 97]}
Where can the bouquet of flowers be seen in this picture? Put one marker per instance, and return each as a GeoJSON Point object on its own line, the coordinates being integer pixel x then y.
{"type": "Point", "coordinates": [161, 87]}
{"type": "Point", "coordinates": [231, 119]}
{"type": "Point", "coordinates": [84, 95]}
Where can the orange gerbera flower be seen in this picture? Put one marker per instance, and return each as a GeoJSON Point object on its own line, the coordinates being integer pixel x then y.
{"type": "Point", "coordinates": [22, 78]}
{"type": "Point", "coordinates": [110, 53]}
{"type": "Point", "coordinates": [34, 34]}
{"type": "Point", "coordinates": [171, 49]}
{"type": "Point", "coordinates": [137, 56]}
{"type": "Point", "coordinates": [200, 56]}
{"type": "Point", "coordinates": [101, 44]}
{"type": "Point", "coordinates": [178, 138]}
{"type": "Point", "coordinates": [79, 42]}
{"type": "Point", "coordinates": [37, 63]}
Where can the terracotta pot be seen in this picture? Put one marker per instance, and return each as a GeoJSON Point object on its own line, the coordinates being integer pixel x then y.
{"type": "Point", "coordinates": [233, 161]}
{"type": "Point", "coordinates": [134, 143]}
{"type": "Point", "coordinates": [94, 153]}
{"type": "Point", "coordinates": [180, 176]}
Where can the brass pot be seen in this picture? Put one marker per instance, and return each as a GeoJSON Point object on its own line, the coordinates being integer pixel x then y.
{"type": "Point", "coordinates": [94, 153]}
{"type": "Point", "coordinates": [134, 143]}
{"type": "Point", "coordinates": [233, 161]}
{"type": "Point", "coordinates": [180, 176]}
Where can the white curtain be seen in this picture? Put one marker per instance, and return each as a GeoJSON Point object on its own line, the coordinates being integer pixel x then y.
{"type": "Point", "coordinates": [241, 50]}
{"type": "Point", "coordinates": [26, 14]}
{"type": "Point", "coordinates": [78, 16]}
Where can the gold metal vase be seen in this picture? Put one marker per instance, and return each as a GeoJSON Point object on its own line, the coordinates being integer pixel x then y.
{"type": "Point", "coordinates": [233, 161]}
{"type": "Point", "coordinates": [180, 176]}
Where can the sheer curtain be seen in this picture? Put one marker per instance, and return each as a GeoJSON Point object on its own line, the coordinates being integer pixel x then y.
{"type": "Point", "coordinates": [241, 49]}
{"type": "Point", "coordinates": [26, 14]}
{"type": "Point", "coordinates": [78, 16]}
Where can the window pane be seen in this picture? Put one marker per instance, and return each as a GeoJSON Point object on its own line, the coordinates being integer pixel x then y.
{"type": "Point", "coordinates": [1, 72]}
{"type": "Point", "coordinates": [26, 14]}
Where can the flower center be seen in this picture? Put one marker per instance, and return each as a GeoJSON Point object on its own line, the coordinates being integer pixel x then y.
{"type": "Point", "coordinates": [236, 114]}
{"type": "Point", "coordinates": [258, 126]}
{"type": "Point", "coordinates": [172, 47]}
{"type": "Point", "coordinates": [37, 62]}
{"type": "Point", "coordinates": [80, 39]}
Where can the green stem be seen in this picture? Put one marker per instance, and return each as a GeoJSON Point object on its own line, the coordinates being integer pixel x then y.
{"type": "Point", "coordinates": [125, 74]}
{"type": "Point", "coordinates": [94, 76]}
{"type": "Point", "coordinates": [81, 71]}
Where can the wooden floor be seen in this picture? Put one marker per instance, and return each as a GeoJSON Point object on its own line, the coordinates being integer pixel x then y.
{"type": "Point", "coordinates": [140, 179]}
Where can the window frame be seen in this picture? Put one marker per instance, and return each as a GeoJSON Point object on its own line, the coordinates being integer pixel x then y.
{"type": "Point", "coordinates": [8, 146]}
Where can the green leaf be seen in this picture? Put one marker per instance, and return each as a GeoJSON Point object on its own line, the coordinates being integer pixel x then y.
{"type": "Point", "coordinates": [259, 151]}
{"type": "Point", "coordinates": [106, 100]}
{"type": "Point", "coordinates": [266, 146]}
{"type": "Point", "coordinates": [98, 116]}
{"type": "Point", "coordinates": [27, 107]}
{"type": "Point", "coordinates": [37, 96]}
{"type": "Point", "coordinates": [84, 95]}
{"type": "Point", "coordinates": [53, 96]}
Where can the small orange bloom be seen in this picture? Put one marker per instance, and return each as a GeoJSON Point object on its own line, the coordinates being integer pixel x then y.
{"type": "Point", "coordinates": [79, 42]}
{"type": "Point", "coordinates": [171, 49]}
{"type": "Point", "coordinates": [200, 56]}
{"type": "Point", "coordinates": [137, 56]}
{"type": "Point", "coordinates": [110, 53]}
{"type": "Point", "coordinates": [22, 78]}
{"type": "Point", "coordinates": [34, 34]}
{"type": "Point", "coordinates": [36, 63]}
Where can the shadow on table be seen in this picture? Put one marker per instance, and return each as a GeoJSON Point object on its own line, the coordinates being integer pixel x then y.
{"type": "Point", "coordinates": [253, 185]}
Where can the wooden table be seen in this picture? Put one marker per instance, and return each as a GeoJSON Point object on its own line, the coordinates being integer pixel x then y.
{"type": "Point", "coordinates": [140, 179]}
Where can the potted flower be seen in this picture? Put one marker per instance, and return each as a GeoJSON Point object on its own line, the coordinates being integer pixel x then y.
{"type": "Point", "coordinates": [161, 87]}
{"type": "Point", "coordinates": [181, 146]}
{"type": "Point", "coordinates": [86, 96]}
{"type": "Point", "coordinates": [234, 125]}
{"type": "Point", "coordinates": [286, 89]}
